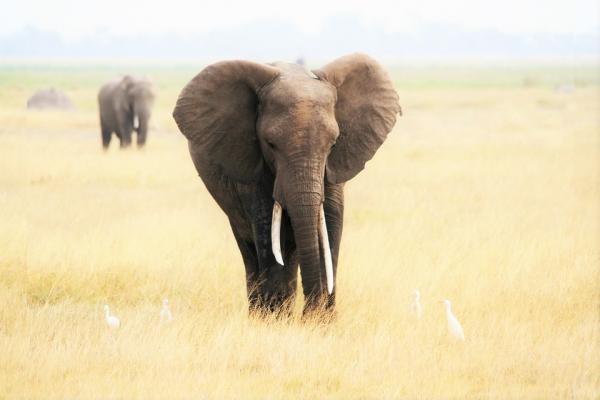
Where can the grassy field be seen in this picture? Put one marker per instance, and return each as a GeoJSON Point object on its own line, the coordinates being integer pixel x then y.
{"type": "Point", "coordinates": [486, 193]}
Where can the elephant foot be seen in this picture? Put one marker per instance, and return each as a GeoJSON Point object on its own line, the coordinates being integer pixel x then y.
{"type": "Point", "coordinates": [267, 305]}
{"type": "Point", "coordinates": [320, 309]}
{"type": "Point", "coordinates": [319, 317]}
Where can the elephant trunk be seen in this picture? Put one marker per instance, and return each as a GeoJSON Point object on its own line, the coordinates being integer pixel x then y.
{"type": "Point", "coordinates": [276, 242]}
{"type": "Point", "coordinates": [304, 213]}
{"type": "Point", "coordinates": [304, 205]}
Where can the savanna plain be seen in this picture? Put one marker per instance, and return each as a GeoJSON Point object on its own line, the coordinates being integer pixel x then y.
{"type": "Point", "coordinates": [487, 193]}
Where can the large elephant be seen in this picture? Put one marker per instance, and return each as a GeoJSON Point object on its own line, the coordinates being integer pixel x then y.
{"type": "Point", "coordinates": [125, 106]}
{"type": "Point", "coordinates": [274, 145]}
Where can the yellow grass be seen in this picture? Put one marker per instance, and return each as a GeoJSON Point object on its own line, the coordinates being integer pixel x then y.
{"type": "Point", "coordinates": [489, 198]}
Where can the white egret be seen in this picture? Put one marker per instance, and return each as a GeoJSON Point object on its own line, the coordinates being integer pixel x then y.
{"type": "Point", "coordinates": [111, 320]}
{"type": "Point", "coordinates": [454, 327]}
{"type": "Point", "coordinates": [416, 306]}
{"type": "Point", "coordinates": [165, 313]}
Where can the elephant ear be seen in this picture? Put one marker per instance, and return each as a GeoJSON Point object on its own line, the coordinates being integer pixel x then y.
{"type": "Point", "coordinates": [366, 110]}
{"type": "Point", "coordinates": [217, 112]}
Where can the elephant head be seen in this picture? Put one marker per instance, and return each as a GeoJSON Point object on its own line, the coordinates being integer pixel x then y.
{"type": "Point", "coordinates": [140, 99]}
{"type": "Point", "coordinates": [305, 128]}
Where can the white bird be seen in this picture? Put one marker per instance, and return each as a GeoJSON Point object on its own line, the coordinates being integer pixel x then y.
{"type": "Point", "coordinates": [165, 313]}
{"type": "Point", "coordinates": [111, 320]}
{"type": "Point", "coordinates": [454, 327]}
{"type": "Point", "coordinates": [416, 306]}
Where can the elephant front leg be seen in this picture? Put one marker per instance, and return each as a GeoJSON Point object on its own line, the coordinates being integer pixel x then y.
{"type": "Point", "coordinates": [141, 139]}
{"type": "Point", "coordinates": [269, 286]}
{"type": "Point", "coordinates": [277, 282]}
{"type": "Point", "coordinates": [106, 135]}
{"type": "Point", "coordinates": [142, 131]}
{"type": "Point", "coordinates": [248, 251]}
{"type": "Point", "coordinates": [126, 138]}
{"type": "Point", "coordinates": [125, 131]}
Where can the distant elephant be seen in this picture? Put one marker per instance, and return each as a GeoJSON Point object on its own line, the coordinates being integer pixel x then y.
{"type": "Point", "coordinates": [274, 145]}
{"type": "Point", "coordinates": [125, 106]}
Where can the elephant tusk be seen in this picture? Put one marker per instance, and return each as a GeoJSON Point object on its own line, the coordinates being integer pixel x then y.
{"type": "Point", "coordinates": [136, 122]}
{"type": "Point", "coordinates": [326, 251]}
{"type": "Point", "coordinates": [275, 231]}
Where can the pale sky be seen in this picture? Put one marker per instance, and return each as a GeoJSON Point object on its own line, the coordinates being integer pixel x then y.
{"type": "Point", "coordinates": [73, 19]}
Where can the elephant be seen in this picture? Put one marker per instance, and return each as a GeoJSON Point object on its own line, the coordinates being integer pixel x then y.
{"type": "Point", "coordinates": [125, 106]}
{"type": "Point", "coordinates": [274, 145]}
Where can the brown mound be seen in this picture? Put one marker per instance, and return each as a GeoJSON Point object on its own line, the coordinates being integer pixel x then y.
{"type": "Point", "coordinates": [49, 99]}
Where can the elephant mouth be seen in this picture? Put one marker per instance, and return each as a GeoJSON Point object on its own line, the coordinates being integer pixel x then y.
{"type": "Point", "coordinates": [323, 235]}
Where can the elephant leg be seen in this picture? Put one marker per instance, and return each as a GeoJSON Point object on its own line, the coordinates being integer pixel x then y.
{"type": "Point", "coordinates": [249, 256]}
{"type": "Point", "coordinates": [269, 286]}
{"type": "Point", "coordinates": [106, 135]}
{"type": "Point", "coordinates": [334, 217]}
{"type": "Point", "coordinates": [249, 208]}
{"type": "Point", "coordinates": [125, 130]}
{"type": "Point", "coordinates": [277, 282]}
{"type": "Point", "coordinates": [141, 135]}
{"type": "Point", "coordinates": [126, 138]}
{"type": "Point", "coordinates": [141, 139]}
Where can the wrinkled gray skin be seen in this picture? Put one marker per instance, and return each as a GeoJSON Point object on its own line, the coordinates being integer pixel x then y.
{"type": "Point", "coordinates": [125, 106]}
{"type": "Point", "coordinates": [262, 133]}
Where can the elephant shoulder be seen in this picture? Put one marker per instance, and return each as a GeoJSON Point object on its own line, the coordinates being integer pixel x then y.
{"type": "Point", "coordinates": [107, 87]}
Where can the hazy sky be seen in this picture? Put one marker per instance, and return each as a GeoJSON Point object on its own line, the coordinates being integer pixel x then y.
{"type": "Point", "coordinates": [73, 19]}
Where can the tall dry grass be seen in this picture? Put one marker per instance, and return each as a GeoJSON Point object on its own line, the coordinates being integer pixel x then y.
{"type": "Point", "coordinates": [487, 197]}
